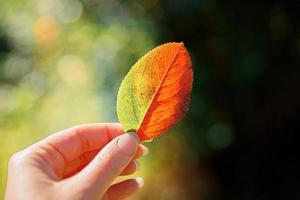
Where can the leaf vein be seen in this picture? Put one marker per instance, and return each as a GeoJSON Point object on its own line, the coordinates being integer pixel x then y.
{"type": "Point", "coordinates": [159, 86]}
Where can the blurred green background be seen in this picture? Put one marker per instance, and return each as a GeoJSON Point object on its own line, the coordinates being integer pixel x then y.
{"type": "Point", "coordinates": [61, 63]}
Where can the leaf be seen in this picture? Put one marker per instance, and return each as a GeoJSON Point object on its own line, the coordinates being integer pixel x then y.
{"type": "Point", "coordinates": [155, 93]}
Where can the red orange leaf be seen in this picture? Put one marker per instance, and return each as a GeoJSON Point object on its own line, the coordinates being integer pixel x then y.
{"type": "Point", "coordinates": [155, 93]}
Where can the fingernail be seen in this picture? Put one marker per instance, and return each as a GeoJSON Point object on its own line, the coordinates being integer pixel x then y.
{"type": "Point", "coordinates": [145, 151]}
{"type": "Point", "coordinates": [128, 142]}
{"type": "Point", "coordinates": [140, 181]}
{"type": "Point", "coordinates": [137, 165]}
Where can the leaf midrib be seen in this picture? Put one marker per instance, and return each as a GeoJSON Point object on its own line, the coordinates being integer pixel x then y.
{"type": "Point", "coordinates": [159, 86]}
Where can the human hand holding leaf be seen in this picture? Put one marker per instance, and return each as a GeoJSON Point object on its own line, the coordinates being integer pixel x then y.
{"type": "Point", "coordinates": [153, 96]}
{"type": "Point", "coordinates": [155, 93]}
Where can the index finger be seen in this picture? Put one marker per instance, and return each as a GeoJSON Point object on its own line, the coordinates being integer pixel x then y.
{"type": "Point", "coordinates": [73, 142]}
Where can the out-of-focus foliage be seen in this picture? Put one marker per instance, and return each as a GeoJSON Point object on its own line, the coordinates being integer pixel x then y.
{"type": "Point", "coordinates": [61, 62]}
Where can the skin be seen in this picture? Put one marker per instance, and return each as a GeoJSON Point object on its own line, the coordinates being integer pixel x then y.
{"type": "Point", "coordinates": [78, 163]}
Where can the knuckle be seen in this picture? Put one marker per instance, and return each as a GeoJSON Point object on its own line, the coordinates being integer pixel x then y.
{"type": "Point", "coordinates": [112, 168]}
{"type": "Point", "coordinates": [77, 128]}
{"type": "Point", "coordinates": [16, 158]}
{"type": "Point", "coordinates": [109, 165]}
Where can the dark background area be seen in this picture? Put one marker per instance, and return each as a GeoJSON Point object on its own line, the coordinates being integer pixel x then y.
{"type": "Point", "coordinates": [247, 68]}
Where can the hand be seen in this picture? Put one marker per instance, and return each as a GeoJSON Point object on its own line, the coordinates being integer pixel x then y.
{"type": "Point", "coordinates": [78, 163]}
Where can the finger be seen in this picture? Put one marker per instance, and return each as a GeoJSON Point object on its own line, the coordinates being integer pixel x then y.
{"type": "Point", "coordinates": [108, 163]}
{"type": "Point", "coordinates": [65, 146]}
{"type": "Point", "coordinates": [124, 189]}
{"type": "Point", "coordinates": [142, 151]}
{"type": "Point", "coordinates": [80, 162]}
{"type": "Point", "coordinates": [132, 167]}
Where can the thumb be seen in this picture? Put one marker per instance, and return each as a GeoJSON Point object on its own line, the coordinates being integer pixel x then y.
{"type": "Point", "coordinates": [108, 164]}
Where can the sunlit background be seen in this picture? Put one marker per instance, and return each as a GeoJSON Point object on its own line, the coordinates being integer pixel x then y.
{"type": "Point", "coordinates": [61, 63]}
